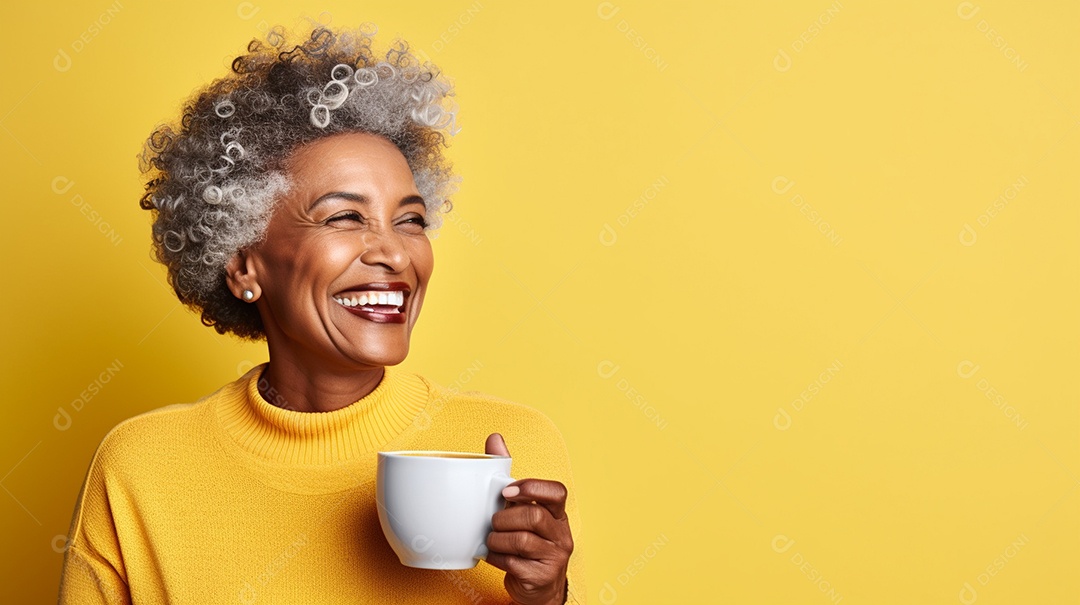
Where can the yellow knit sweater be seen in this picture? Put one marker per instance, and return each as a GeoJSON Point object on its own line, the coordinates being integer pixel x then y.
{"type": "Point", "coordinates": [233, 500]}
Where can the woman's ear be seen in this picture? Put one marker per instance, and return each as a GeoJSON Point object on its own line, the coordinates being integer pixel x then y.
{"type": "Point", "coordinates": [240, 276]}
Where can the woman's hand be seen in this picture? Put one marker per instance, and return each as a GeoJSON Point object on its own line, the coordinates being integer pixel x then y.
{"type": "Point", "coordinates": [531, 540]}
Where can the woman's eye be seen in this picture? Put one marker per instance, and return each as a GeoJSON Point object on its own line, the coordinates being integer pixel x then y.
{"type": "Point", "coordinates": [345, 216]}
{"type": "Point", "coordinates": [419, 220]}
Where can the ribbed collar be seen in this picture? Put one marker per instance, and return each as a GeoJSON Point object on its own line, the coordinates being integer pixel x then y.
{"type": "Point", "coordinates": [355, 432]}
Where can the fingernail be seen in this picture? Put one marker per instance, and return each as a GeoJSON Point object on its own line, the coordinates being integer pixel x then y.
{"type": "Point", "coordinates": [511, 491]}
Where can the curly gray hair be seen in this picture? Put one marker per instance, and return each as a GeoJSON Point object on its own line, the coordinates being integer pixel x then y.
{"type": "Point", "coordinates": [213, 179]}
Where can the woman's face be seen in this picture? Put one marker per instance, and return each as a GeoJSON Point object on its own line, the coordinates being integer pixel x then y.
{"type": "Point", "coordinates": [345, 262]}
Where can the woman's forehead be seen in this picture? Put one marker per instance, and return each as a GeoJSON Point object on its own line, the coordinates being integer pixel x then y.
{"type": "Point", "coordinates": [345, 150]}
{"type": "Point", "coordinates": [356, 162]}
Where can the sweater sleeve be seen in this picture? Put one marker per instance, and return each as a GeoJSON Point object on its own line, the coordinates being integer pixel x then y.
{"type": "Point", "coordinates": [93, 571]}
{"type": "Point", "coordinates": [88, 578]}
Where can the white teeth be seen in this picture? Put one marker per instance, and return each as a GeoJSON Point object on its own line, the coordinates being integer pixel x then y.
{"type": "Point", "coordinates": [395, 298]}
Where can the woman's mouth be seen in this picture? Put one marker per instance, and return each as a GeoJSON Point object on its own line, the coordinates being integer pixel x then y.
{"type": "Point", "coordinates": [380, 306]}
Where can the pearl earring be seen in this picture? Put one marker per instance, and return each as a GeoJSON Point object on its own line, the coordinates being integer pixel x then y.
{"type": "Point", "coordinates": [248, 295]}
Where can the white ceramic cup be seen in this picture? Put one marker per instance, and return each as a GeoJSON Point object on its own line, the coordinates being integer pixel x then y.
{"type": "Point", "coordinates": [436, 507]}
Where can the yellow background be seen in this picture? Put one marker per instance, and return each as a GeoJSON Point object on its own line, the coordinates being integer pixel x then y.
{"type": "Point", "coordinates": [676, 224]}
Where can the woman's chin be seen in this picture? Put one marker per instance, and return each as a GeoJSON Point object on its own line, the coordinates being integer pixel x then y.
{"type": "Point", "coordinates": [369, 358]}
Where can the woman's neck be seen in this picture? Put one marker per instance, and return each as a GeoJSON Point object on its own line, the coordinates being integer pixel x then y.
{"type": "Point", "coordinates": [292, 384]}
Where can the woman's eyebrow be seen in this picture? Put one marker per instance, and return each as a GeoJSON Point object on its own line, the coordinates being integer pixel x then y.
{"type": "Point", "coordinates": [362, 199]}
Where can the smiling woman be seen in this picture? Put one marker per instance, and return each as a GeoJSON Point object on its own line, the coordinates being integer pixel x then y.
{"type": "Point", "coordinates": [294, 202]}
{"type": "Point", "coordinates": [340, 276]}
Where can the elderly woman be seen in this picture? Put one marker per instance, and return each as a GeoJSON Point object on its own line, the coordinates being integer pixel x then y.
{"type": "Point", "coordinates": [294, 201]}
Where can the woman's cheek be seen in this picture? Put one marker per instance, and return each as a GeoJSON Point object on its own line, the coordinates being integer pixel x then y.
{"type": "Point", "coordinates": [335, 253]}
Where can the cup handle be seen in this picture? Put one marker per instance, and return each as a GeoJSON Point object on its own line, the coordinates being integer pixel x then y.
{"type": "Point", "coordinates": [498, 484]}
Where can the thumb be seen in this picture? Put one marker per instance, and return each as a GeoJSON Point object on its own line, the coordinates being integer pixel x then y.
{"type": "Point", "coordinates": [496, 445]}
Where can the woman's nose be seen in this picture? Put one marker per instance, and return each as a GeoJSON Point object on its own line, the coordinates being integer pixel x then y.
{"type": "Point", "coordinates": [384, 247]}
